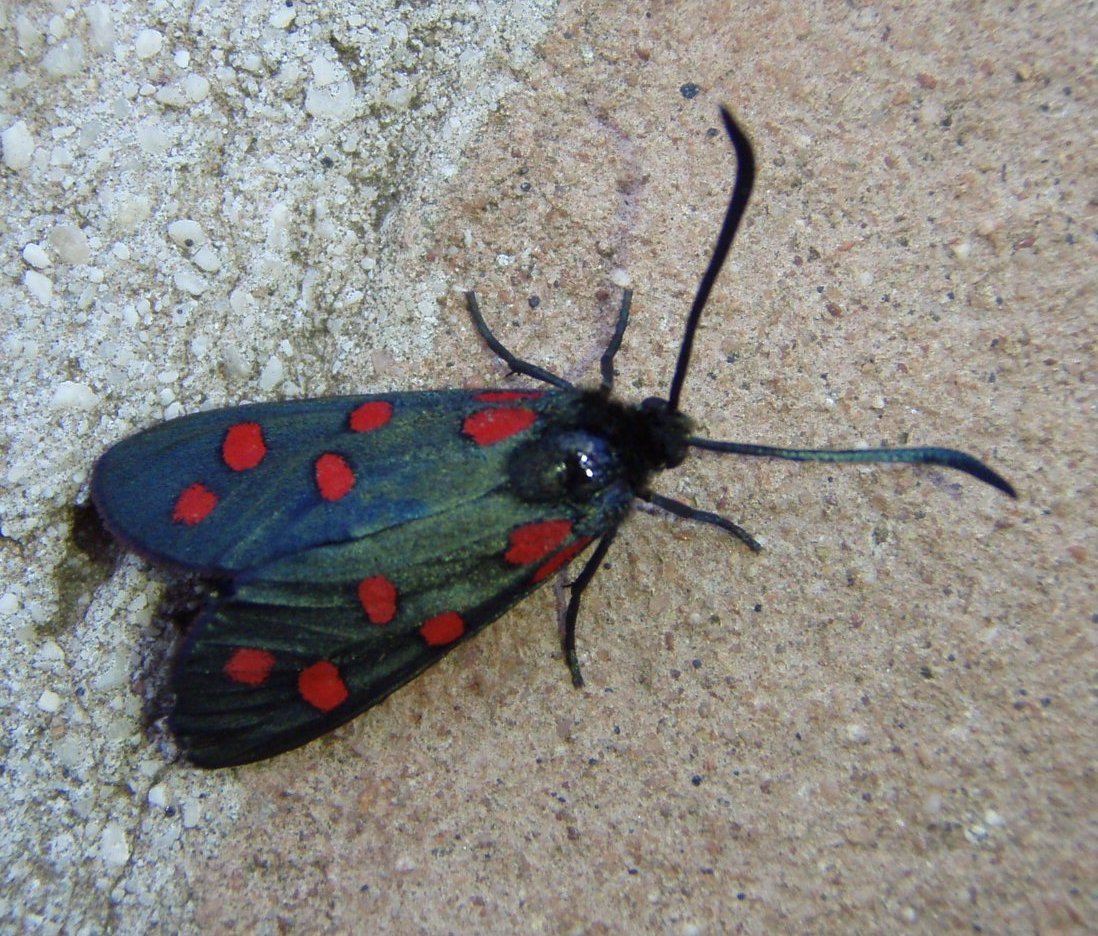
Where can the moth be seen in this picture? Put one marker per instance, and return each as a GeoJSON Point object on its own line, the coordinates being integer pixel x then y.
{"type": "Point", "coordinates": [350, 542]}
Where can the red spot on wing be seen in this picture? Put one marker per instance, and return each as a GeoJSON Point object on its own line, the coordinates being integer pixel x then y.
{"type": "Point", "coordinates": [244, 446]}
{"type": "Point", "coordinates": [489, 426]}
{"type": "Point", "coordinates": [250, 666]}
{"type": "Point", "coordinates": [321, 686]}
{"type": "Point", "coordinates": [379, 599]}
{"type": "Point", "coordinates": [371, 416]}
{"type": "Point", "coordinates": [534, 541]}
{"type": "Point", "coordinates": [334, 476]}
{"type": "Point", "coordinates": [508, 396]}
{"type": "Point", "coordinates": [562, 559]}
{"type": "Point", "coordinates": [442, 629]}
{"type": "Point", "coordinates": [194, 504]}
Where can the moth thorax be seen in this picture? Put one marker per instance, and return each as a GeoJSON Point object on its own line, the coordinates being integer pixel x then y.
{"type": "Point", "coordinates": [572, 464]}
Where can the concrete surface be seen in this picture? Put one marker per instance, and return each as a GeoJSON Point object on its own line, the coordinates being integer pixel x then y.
{"type": "Point", "coordinates": [884, 722]}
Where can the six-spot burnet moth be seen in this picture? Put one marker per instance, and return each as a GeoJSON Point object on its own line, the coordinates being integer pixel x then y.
{"type": "Point", "coordinates": [350, 542]}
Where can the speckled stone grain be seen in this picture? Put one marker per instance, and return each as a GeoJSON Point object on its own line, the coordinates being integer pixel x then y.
{"type": "Point", "coordinates": [883, 722]}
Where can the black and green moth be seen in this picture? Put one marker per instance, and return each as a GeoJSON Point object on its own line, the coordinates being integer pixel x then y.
{"type": "Point", "coordinates": [350, 542]}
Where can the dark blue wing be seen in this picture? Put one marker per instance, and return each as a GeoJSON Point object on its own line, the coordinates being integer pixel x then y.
{"type": "Point", "coordinates": [340, 583]}
{"type": "Point", "coordinates": [228, 490]}
{"type": "Point", "coordinates": [274, 665]}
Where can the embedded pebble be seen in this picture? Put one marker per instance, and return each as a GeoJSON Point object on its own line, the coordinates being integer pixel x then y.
{"type": "Point", "coordinates": [49, 702]}
{"type": "Point", "coordinates": [857, 733]}
{"type": "Point", "coordinates": [186, 233]}
{"type": "Point", "coordinates": [61, 156]}
{"type": "Point", "coordinates": [196, 88]}
{"type": "Point", "coordinates": [38, 285]}
{"type": "Point", "coordinates": [400, 98]}
{"type": "Point", "coordinates": [148, 43]}
{"type": "Point", "coordinates": [171, 96]}
{"type": "Point", "coordinates": [272, 374]}
{"type": "Point", "coordinates": [326, 72]}
{"type": "Point", "coordinates": [65, 59]}
{"type": "Point", "coordinates": [252, 62]}
{"type": "Point", "coordinates": [113, 847]}
{"type": "Point", "coordinates": [191, 814]}
{"type": "Point", "coordinates": [205, 259]}
{"type": "Point", "coordinates": [49, 652]}
{"type": "Point", "coordinates": [71, 243]}
{"type": "Point", "coordinates": [58, 28]}
{"type": "Point", "coordinates": [18, 146]}
{"type": "Point", "coordinates": [619, 277]}
{"type": "Point", "coordinates": [71, 395]}
{"type": "Point", "coordinates": [153, 138]}
{"type": "Point", "coordinates": [36, 257]}
{"type": "Point", "coordinates": [235, 363]}
{"type": "Point", "coordinates": [112, 674]}
{"type": "Point", "coordinates": [28, 36]}
{"type": "Point", "coordinates": [336, 100]}
{"type": "Point", "coordinates": [100, 26]}
{"type": "Point", "coordinates": [71, 752]}
{"type": "Point", "coordinates": [976, 834]}
{"type": "Point", "coordinates": [282, 17]}
{"type": "Point", "coordinates": [190, 283]}
{"type": "Point", "coordinates": [962, 250]}
{"type": "Point", "coordinates": [132, 210]}
{"type": "Point", "coordinates": [278, 227]}
{"type": "Point", "coordinates": [39, 612]}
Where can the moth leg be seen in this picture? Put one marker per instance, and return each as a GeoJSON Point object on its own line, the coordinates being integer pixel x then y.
{"type": "Point", "coordinates": [687, 512]}
{"type": "Point", "coordinates": [568, 638]}
{"type": "Point", "coordinates": [517, 365]}
{"type": "Point", "coordinates": [606, 365]}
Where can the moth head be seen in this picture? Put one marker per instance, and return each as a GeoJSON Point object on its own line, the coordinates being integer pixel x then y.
{"type": "Point", "coordinates": [571, 464]}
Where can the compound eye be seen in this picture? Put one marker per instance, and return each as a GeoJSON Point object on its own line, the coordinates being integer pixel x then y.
{"type": "Point", "coordinates": [583, 474]}
{"type": "Point", "coordinates": [590, 465]}
{"type": "Point", "coordinates": [576, 465]}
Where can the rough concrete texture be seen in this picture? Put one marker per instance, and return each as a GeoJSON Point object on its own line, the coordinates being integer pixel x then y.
{"type": "Point", "coordinates": [884, 722]}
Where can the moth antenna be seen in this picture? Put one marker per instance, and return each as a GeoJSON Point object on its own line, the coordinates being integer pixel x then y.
{"type": "Point", "coordinates": [741, 192]}
{"type": "Point", "coordinates": [943, 457]}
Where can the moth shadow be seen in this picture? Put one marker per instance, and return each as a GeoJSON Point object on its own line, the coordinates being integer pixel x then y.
{"type": "Point", "coordinates": [181, 605]}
